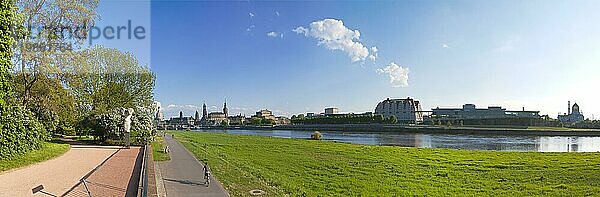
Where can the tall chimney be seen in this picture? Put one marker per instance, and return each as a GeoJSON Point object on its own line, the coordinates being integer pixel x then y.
{"type": "Point", "coordinates": [569, 108]}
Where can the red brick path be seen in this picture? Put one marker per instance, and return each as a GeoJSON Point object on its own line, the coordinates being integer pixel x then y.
{"type": "Point", "coordinates": [117, 176]}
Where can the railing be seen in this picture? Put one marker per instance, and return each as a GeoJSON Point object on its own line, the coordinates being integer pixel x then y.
{"type": "Point", "coordinates": [144, 173]}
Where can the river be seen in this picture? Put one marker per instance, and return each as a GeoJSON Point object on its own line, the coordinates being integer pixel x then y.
{"type": "Point", "coordinates": [452, 141]}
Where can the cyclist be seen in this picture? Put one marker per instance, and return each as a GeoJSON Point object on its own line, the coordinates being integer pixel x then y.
{"type": "Point", "coordinates": [206, 174]}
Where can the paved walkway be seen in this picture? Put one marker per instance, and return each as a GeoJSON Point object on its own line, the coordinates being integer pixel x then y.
{"type": "Point", "coordinates": [119, 175]}
{"type": "Point", "coordinates": [57, 175]}
{"type": "Point", "coordinates": [183, 175]}
{"type": "Point", "coordinates": [110, 171]}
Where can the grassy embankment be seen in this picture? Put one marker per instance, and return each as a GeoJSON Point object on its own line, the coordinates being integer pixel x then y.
{"type": "Point", "coordinates": [48, 151]}
{"type": "Point", "coordinates": [158, 150]}
{"type": "Point", "coordinates": [316, 168]}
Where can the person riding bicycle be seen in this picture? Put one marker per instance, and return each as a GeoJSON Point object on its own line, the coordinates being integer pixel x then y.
{"type": "Point", "coordinates": [206, 174]}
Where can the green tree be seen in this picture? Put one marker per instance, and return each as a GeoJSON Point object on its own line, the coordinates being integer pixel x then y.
{"type": "Point", "coordinates": [255, 121]}
{"type": "Point", "coordinates": [52, 104]}
{"type": "Point", "coordinates": [224, 123]}
{"type": "Point", "coordinates": [19, 131]}
{"type": "Point", "coordinates": [102, 79]}
{"type": "Point", "coordinates": [44, 30]}
{"type": "Point", "coordinates": [6, 52]}
{"type": "Point", "coordinates": [392, 120]}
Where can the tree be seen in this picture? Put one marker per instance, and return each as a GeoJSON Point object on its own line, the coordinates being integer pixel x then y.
{"type": "Point", "coordinates": [378, 118]}
{"type": "Point", "coordinates": [224, 123]}
{"type": "Point", "coordinates": [392, 120]}
{"type": "Point", "coordinates": [6, 52]}
{"type": "Point", "coordinates": [19, 132]}
{"type": "Point", "coordinates": [103, 79]}
{"type": "Point", "coordinates": [265, 121]}
{"type": "Point", "coordinates": [52, 104]}
{"type": "Point", "coordinates": [255, 121]}
{"type": "Point", "coordinates": [44, 30]}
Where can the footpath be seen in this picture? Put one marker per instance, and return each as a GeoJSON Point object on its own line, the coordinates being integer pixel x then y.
{"type": "Point", "coordinates": [183, 175]}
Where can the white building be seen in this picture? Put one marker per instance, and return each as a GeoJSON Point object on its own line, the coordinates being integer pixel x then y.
{"type": "Point", "coordinates": [405, 110]}
{"type": "Point", "coordinates": [332, 110]}
{"type": "Point", "coordinates": [469, 111]}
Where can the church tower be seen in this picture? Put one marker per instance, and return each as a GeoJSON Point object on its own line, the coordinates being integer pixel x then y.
{"type": "Point", "coordinates": [204, 112]}
{"type": "Point", "coordinates": [197, 116]}
{"type": "Point", "coordinates": [225, 110]}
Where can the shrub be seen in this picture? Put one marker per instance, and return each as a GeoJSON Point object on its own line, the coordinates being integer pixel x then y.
{"type": "Point", "coordinates": [20, 132]}
{"type": "Point", "coordinates": [109, 126]}
{"type": "Point", "coordinates": [316, 135]}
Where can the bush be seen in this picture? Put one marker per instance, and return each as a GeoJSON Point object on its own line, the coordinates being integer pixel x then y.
{"type": "Point", "coordinates": [109, 126]}
{"type": "Point", "coordinates": [20, 132]}
{"type": "Point", "coordinates": [316, 135]}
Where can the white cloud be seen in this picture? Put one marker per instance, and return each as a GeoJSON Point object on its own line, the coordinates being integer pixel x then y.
{"type": "Point", "coordinates": [250, 28]}
{"type": "Point", "coordinates": [374, 49]}
{"type": "Point", "coordinates": [445, 46]}
{"type": "Point", "coordinates": [251, 14]}
{"type": "Point", "coordinates": [508, 45]}
{"type": "Point", "coordinates": [373, 55]}
{"type": "Point", "coordinates": [275, 34]}
{"type": "Point", "coordinates": [173, 110]}
{"type": "Point", "coordinates": [335, 36]}
{"type": "Point", "coordinates": [398, 75]}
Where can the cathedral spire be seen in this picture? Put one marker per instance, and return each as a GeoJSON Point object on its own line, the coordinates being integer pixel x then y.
{"type": "Point", "coordinates": [204, 111]}
{"type": "Point", "coordinates": [225, 110]}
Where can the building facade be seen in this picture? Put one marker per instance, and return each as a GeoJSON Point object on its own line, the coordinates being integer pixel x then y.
{"type": "Point", "coordinates": [265, 114]}
{"type": "Point", "coordinates": [405, 110]}
{"type": "Point", "coordinates": [332, 110]}
{"type": "Point", "coordinates": [470, 111]}
{"type": "Point", "coordinates": [573, 114]}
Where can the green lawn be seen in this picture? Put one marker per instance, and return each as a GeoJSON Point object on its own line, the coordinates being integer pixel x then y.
{"type": "Point", "coordinates": [317, 168]}
{"type": "Point", "coordinates": [158, 150]}
{"type": "Point", "coordinates": [48, 151]}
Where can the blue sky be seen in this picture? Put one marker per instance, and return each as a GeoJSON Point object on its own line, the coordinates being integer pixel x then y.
{"type": "Point", "coordinates": [532, 54]}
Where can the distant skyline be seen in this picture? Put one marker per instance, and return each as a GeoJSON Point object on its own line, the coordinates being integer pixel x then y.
{"type": "Point", "coordinates": [298, 57]}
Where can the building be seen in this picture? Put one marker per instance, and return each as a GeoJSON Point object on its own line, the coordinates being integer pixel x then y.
{"type": "Point", "coordinates": [282, 120]}
{"type": "Point", "coordinates": [181, 121]}
{"type": "Point", "coordinates": [332, 110]}
{"type": "Point", "coordinates": [237, 120]}
{"type": "Point", "coordinates": [265, 114]}
{"type": "Point", "coordinates": [214, 118]}
{"type": "Point", "coordinates": [573, 114]}
{"type": "Point", "coordinates": [470, 111]}
{"type": "Point", "coordinates": [405, 110]}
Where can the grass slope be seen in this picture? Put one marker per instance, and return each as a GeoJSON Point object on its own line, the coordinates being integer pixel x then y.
{"type": "Point", "coordinates": [48, 151]}
{"type": "Point", "coordinates": [158, 150]}
{"type": "Point", "coordinates": [315, 168]}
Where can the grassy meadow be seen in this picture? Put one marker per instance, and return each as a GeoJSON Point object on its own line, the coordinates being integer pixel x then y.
{"type": "Point", "coordinates": [48, 151]}
{"type": "Point", "coordinates": [317, 168]}
{"type": "Point", "coordinates": [158, 149]}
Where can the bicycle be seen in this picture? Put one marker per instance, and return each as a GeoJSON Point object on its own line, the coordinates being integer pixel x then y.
{"type": "Point", "coordinates": [206, 175]}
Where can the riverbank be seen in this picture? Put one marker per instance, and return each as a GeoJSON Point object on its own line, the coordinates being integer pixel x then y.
{"type": "Point", "coordinates": [317, 168]}
{"type": "Point", "coordinates": [425, 129]}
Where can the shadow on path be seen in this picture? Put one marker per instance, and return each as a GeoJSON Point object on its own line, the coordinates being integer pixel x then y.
{"type": "Point", "coordinates": [186, 182]}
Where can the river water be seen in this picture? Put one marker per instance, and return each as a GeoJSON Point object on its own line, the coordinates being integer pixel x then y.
{"type": "Point", "coordinates": [453, 141]}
